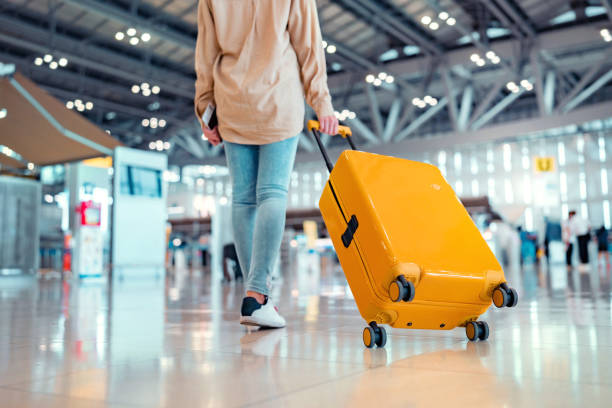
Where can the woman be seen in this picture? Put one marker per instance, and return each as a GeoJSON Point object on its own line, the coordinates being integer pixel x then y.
{"type": "Point", "coordinates": [255, 60]}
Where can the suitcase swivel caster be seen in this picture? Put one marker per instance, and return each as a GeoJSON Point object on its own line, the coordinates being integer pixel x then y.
{"type": "Point", "coordinates": [401, 289]}
{"type": "Point", "coordinates": [374, 335]}
{"type": "Point", "coordinates": [477, 331]}
{"type": "Point", "coordinates": [504, 296]}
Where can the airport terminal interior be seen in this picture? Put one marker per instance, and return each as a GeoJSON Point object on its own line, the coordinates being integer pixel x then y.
{"type": "Point", "coordinates": [464, 261]}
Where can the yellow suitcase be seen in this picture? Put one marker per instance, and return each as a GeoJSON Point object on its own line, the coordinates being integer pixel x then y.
{"type": "Point", "coordinates": [412, 255]}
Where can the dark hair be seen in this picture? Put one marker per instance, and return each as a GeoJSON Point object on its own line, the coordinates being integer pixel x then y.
{"type": "Point", "coordinates": [572, 213]}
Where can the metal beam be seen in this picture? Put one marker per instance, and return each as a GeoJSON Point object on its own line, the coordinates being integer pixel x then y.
{"type": "Point", "coordinates": [450, 94]}
{"type": "Point", "coordinates": [107, 10]}
{"type": "Point", "coordinates": [595, 86]}
{"type": "Point", "coordinates": [536, 69]}
{"type": "Point", "coordinates": [375, 111]}
{"type": "Point", "coordinates": [421, 120]}
{"type": "Point", "coordinates": [484, 105]}
{"type": "Point", "coordinates": [549, 91]}
{"type": "Point", "coordinates": [498, 108]}
{"type": "Point", "coordinates": [584, 81]}
{"type": "Point", "coordinates": [608, 5]}
{"type": "Point", "coordinates": [466, 108]}
{"type": "Point", "coordinates": [361, 129]}
{"type": "Point", "coordinates": [392, 118]}
{"type": "Point", "coordinates": [95, 58]}
{"type": "Point", "coordinates": [511, 10]}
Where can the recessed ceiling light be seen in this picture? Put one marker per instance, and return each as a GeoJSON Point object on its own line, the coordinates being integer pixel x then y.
{"type": "Point", "coordinates": [426, 20]}
{"type": "Point", "coordinates": [155, 89]}
{"type": "Point", "coordinates": [443, 15]}
{"type": "Point", "coordinates": [451, 21]}
{"type": "Point", "coordinates": [63, 62]}
{"type": "Point", "coordinates": [135, 89]}
{"type": "Point", "coordinates": [38, 61]}
{"type": "Point", "coordinates": [53, 65]}
{"type": "Point", "coordinates": [145, 37]}
{"type": "Point", "coordinates": [331, 49]}
{"type": "Point", "coordinates": [131, 31]}
{"type": "Point", "coordinates": [434, 26]}
{"type": "Point", "coordinates": [134, 40]}
{"type": "Point", "coordinates": [48, 58]}
{"type": "Point", "coordinates": [119, 36]}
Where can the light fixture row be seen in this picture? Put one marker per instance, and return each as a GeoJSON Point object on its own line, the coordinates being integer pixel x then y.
{"type": "Point", "coordinates": [131, 35]}
{"type": "Point", "coordinates": [160, 145]}
{"type": "Point", "coordinates": [422, 103]}
{"type": "Point", "coordinates": [80, 105]}
{"type": "Point", "coordinates": [345, 114]}
{"type": "Point", "coordinates": [514, 88]}
{"type": "Point", "coordinates": [330, 48]}
{"type": "Point", "coordinates": [146, 89]}
{"type": "Point", "coordinates": [50, 61]}
{"type": "Point", "coordinates": [481, 62]}
{"type": "Point", "coordinates": [433, 24]}
{"type": "Point", "coordinates": [154, 123]}
{"type": "Point", "coordinates": [378, 80]}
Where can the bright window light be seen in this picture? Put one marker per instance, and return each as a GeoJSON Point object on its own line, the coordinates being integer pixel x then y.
{"type": "Point", "coordinates": [442, 158]}
{"type": "Point", "coordinates": [604, 181]}
{"type": "Point", "coordinates": [475, 188]}
{"type": "Point", "coordinates": [459, 187]}
{"type": "Point", "coordinates": [474, 165]}
{"type": "Point", "coordinates": [458, 162]}
{"type": "Point", "coordinates": [509, 192]}
{"type": "Point", "coordinates": [561, 152]}
{"type": "Point", "coordinates": [583, 187]}
{"type": "Point", "coordinates": [606, 214]}
{"type": "Point", "coordinates": [528, 219]}
{"type": "Point", "coordinates": [584, 210]}
{"type": "Point", "coordinates": [526, 162]}
{"type": "Point", "coordinates": [507, 157]}
{"type": "Point", "coordinates": [491, 187]}
{"type": "Point", "coordinates": [602, 149]}
{"type": "Point", "coordinates": [564, 211]}
{"type": "Point", "coordinates": [563, 185]}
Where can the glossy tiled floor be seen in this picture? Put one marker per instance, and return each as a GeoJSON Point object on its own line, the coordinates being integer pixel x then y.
{"type": "Point", "coordinates": [175, 342]}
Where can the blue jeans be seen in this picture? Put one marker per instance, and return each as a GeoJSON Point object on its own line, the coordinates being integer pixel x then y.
{"type": "Point", "coordinates": [260, 180]}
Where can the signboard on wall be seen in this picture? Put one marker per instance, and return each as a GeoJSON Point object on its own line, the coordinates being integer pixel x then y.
{"type": "Point", "coordinates": [544, 164]}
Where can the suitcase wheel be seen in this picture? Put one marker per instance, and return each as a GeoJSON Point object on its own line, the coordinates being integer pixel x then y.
{"type": "Point", "coordinates": [477, 331]}
{"type": "Point", "coordinates": [401, 289]}
{"type": "Point", "coordinates": [374, 335]}
{"type": "Point", "coordinates": [505, 296]}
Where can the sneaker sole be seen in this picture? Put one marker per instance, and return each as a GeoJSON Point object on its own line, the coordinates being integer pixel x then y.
{"type": "Point", "coordinates": [246, 321]}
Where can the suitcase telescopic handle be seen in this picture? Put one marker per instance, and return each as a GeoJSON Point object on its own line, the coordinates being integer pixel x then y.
{"type": "Point", "coordinates": [344, 131]}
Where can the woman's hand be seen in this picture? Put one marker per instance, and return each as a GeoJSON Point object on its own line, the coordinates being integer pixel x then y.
{"type": "Point", "coordinates": [329, 125]}
{"type": "Point", "coordinates": [212, 135]}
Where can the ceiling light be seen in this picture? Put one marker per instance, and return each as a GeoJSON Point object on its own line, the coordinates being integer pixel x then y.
{"type": "Point", "coordinates": [145, 122]}
{"type": "Point", "coordinates": [166, 145]}
{"type": "Point", "coordinates": [89, 105]}
{"type": "Point", "coordinates": [135, 89]}
{"type": "Point", "coordinates": [154, 122]}
{"type": "Point", "coordinates": [496, 60]}
{"type": "Point", "coordinates": [119, 36]}
{"type": "Point", "coordinates": [30, 166]}
{"type": "Point", "coordinates": [480, 62]}
{"type": "Point", "coordinates": [155, 89]}
{"type": "Point", "coordinates": [159, 144]}
{"type": "Point", "coordinates": [144, 85]}
{"type": "Point", "coordinates": [426, 20]}
{"type": "Point", "coordinates": [491, 54]}
{"type": "Point", "coordinates": [152, 145]}
{"type": "Point", "coordinates": [153, 125]}
{"type": "Point", "coordinates": [331, 49]}
{"type": "Point", "coordinates": [162, 123]}
{"type": "Point", "coordinates": [352, 115]}
{"type": "Point", "coordinates": [134, 40]}
{"type": "Point", "coordinates": [78, 102]}
{"type": "Point", "coordinates": [428, 99]}
{"type": "Point", "coordinates": [422, 104]}
{"type": "Point", "coordinates": [382, 75]}
{"type": "Point", "coordinates": [63, 62]}
{"type": "Point", "coordinates": [53, 65]}
{"type": "Point", "coordinates": [443, 15]}
{"type": "Point", "coordinates": [451, 21]}
{"type": "Point", "coordinates": [511, 85]}
{"type": "Point", "coordinates": [370, 78]}
{"type": "Point", "coordinates": [3, 113]}
{"type": "Point", "coordinates": [204, 137]}
{"type": "Point", "coordinates": [146, 92]}
{"type": "Point", "coordinates": [525, 83]}
{"type": "Point", "coordinates": [48, 58]}
{"type": "Point", "coordinates": [416, 101]}
{"type": "Point", "coordinates": [604, 32]}
{"type": "Point", "coordinates": [474, 57]}
{"type": "Point", "coordinates": [434, 26]}
{"type": "Point", "coordinates": [390, 79]}
{"type": "Point", "coordinates": [70, 104]}
{"type": "Point", "coordinates": [145, 37]}
{"type": "Point", "coordinates": [433, 102]}
{"type": "Point", "coordinates": [131, 31]}
{"type": "Point", "coordinates": [38, 61]}
{"type": "Point", "coordinates": [80, 108]}
{"type": "Point", "coordinates": [377, 82]}
{"type": "Point", "coordinates": [324, 44]}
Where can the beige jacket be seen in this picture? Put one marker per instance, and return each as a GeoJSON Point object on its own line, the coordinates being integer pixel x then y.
{"type": "Point", "coordinates": [255, 60]}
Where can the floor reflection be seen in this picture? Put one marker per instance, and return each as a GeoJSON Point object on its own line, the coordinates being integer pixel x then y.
{"type": "Point", "coordinates": [149, 340]}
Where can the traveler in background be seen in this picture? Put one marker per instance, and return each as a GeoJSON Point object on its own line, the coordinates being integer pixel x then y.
{"type": "Point", "coordinates": [569, 246]}
{"type": "Point", "coordinates": [255, 61]}
{"type": "Point", "coordinates": [603, 247]}
{"type": "Point", "coordinates": [579, 228]}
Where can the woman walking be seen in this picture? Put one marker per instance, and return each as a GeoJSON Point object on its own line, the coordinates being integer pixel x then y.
{"type": "Point", "coordinates": [255, 61]}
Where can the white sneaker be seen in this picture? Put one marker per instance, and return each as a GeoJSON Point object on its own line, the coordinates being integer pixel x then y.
{"type": "Point", "coordinates": [255, 314]}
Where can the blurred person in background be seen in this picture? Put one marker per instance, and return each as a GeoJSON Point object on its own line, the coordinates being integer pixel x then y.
{"type": "Point", "coordinates": [569, 246]}
{"type": "Point", "coordinates": [255, 61]}
{"type": "Point", "coordinates": [579, 231]}
{"type": "Point", "coordinates": [603, 248]}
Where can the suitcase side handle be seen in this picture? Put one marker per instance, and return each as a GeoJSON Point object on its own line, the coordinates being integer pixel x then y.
{"type": "Point", "coordinates": [344, 131]}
